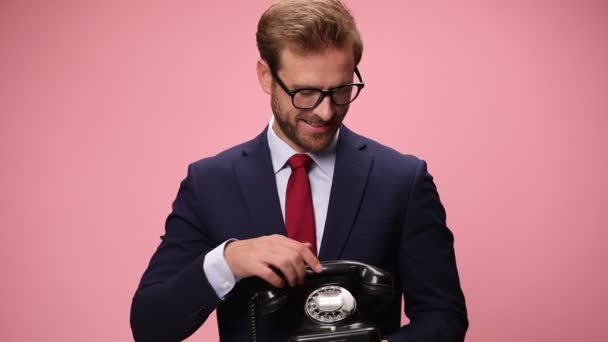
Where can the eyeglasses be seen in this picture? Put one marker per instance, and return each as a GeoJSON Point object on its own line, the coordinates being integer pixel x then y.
{"type": "Point", "coordinates": [308, 98]}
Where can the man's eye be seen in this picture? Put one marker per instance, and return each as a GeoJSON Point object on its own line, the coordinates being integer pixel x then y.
{"type": "Point", "coordinates": [308, 93]}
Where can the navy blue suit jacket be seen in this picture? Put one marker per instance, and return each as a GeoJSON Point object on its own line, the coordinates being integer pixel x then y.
{"type": "Point", "coordinates": [384, 210]}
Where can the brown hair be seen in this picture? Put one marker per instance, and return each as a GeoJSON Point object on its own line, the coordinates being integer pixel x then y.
{"type": "Point", "coordinates": [306, 26]}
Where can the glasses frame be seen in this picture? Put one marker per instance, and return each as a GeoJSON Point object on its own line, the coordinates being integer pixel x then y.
{"type": "Point", "coordinates": [292, 92]}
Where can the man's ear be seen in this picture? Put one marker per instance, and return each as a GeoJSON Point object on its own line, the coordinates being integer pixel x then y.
{"type": "Point", "coordinates": [264, 76]}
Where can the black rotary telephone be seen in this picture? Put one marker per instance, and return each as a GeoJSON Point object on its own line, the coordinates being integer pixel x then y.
{"type": "Point", "coordinates": [334, 302]}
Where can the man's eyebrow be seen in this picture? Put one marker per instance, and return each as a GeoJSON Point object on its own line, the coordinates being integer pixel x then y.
{"type": "Point", "coordinates": [296, 86]}
{"type": "Point", "coordinates": [302, 86]}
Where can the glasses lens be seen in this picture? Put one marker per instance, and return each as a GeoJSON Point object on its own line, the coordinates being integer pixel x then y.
{"type": "Point", "coordinates": [306, 98]}
{"type": "Point", "coordinates": [310, 98]}
{"type": "Point", "coordinates": [345, 94]}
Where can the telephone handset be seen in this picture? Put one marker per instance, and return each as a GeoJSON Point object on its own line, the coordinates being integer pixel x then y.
{"type": "Point", "coordinates": [335, 302]}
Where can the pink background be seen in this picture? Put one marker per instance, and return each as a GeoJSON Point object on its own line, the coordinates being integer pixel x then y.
{"type": "Point", "coordinates": [104, 103]}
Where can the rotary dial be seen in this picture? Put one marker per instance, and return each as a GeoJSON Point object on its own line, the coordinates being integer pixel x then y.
{"type": "Point", "coordinates": [330, 304]}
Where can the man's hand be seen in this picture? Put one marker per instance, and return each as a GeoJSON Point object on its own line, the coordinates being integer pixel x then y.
{"type": "Point", "coordinates": [258, 256]}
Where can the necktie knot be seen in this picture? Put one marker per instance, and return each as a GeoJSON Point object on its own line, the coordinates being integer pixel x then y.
{"type": "Point", "coordinates": [299, 160]}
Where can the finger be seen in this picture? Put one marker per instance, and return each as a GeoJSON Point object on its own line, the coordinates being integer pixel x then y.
{"type": "Point", "coordinates": [270, 276]}
{"type": "Point", "coordinates": [311, 260]}
{"type": "Point", "coordinates": [298, 266]}
{"type": "Point", "coordinates": [307, 255]}
{"type": "Point", "coordinates": [274, 253]}
{"type": "Point", "coordinates": [309, 246]}
{"type": "Point", "coordinates": [300, 271]}
{"type": "Point", "coordinates": [284, 264]}
{"type": "Point", "coordinates": [296, 259]}
{"type": "Point", "coordinates": [280, 242]}
{"type": "Point", "coordinates": [298, 246]}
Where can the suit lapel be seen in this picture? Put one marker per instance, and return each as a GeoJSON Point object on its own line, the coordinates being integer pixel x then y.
{"type": "Point", "coordinates": [257, 181]}
{"type": "Point", "coordinates": [352, 169]}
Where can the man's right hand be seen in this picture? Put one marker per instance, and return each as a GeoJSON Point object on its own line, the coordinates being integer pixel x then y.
{"type": "Point", "coordinates": [258, 256]}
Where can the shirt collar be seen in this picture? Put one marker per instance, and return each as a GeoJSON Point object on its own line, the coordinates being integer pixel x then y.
{"type": "Point", "coordinates": [280, 152]}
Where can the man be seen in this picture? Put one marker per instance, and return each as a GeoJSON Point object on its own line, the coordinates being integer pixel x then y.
{"type": "Point", "coordinates": [236, 215]}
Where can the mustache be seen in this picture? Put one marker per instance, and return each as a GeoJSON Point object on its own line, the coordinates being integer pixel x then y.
{"type": "Point", "coordinates": [315, 119]}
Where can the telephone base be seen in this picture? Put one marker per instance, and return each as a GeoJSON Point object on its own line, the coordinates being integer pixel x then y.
{"type": "Point", "coordinates": [344, 334]}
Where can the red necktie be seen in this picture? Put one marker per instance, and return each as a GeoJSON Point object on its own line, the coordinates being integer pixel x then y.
{"type": "Point", "coordinates": [299, 213]}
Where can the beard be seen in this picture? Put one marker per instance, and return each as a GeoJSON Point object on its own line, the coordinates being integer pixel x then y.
{"type": "Point", "coordinates": [306, 142]}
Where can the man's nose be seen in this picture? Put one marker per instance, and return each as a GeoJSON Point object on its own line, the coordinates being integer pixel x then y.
{"type": "Point", "coordinates": [325, 109]}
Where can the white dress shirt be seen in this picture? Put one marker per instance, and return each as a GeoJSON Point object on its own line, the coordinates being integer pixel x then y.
{"type": "Point", "coordinates": [320, 175]}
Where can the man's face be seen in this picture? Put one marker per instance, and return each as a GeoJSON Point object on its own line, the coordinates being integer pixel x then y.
{"type": "Point", "coordinates": [310, 130]}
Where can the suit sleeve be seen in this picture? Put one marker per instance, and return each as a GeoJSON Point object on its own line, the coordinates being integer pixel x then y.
{"type": "Point", "coordinates": [174, 297]}
{"type": "Point", "coordinates": [434, 301]}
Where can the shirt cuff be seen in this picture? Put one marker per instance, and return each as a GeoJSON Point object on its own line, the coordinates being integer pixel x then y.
{"type": "Point", "coordinates": [219, 275]}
